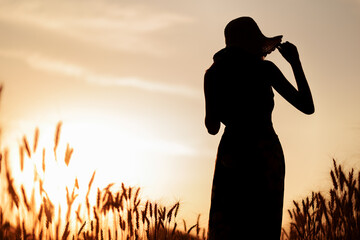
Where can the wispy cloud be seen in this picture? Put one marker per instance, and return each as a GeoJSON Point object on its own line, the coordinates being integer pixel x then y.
{"type": "Point", "coordinates": [112, 24]}
{"type": "Point", "coordinates": [47, 64]}
{"type": "Point", "coordinates": [142, 84]}
{"type": "Point", "coordinates": [108, 23]}
{"type": "Point", "coordinates": [42, 63]}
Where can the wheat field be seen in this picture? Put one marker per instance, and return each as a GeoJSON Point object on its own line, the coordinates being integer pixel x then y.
{"type": "Point", "coordinates": [333, 215]}
{"type": "Point", "coordinates": [118, 212]}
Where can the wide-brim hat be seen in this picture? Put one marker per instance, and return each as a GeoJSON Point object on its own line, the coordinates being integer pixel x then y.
{"type": "Point", "coordinates": [243, 32]}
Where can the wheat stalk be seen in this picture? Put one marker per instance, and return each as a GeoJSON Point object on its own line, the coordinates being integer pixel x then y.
{"type": "Point", "coordinates": [68, 153]}
{"type": "Point", "coordinates": [26, 145]}
{"type": "Point", "coordinates": [21, 153]}
{"type": "Point", "coordinates": [36, 139]}
{"type": "Point", "coordinates": [336, 217]}
{"type": "Point", "coordinates": [57, 137]}
{"type": "Point", "coordinates": [26, 202]}
{"type": "Point", "coordinates": [11, 190]}
{"type": "Point", "coordinates": [43, 160]}
{"type": "Point", "coordinates": [66, 232]}
{"type": "Point", "coordinates": [1, 157]}
{"type": "Point", "coordinates": [88, 192]}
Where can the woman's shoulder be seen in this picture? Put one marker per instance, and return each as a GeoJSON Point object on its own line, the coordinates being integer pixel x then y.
{"type": "Point", "coordinates": [269, 66]}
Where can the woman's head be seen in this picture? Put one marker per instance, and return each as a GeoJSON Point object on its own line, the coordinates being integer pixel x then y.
{"type": "Point", "coordinates": [244, 33]}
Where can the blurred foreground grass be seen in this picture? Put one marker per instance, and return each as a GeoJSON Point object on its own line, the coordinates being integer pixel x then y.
{"type": "Point", "coordinates": [118, 212]}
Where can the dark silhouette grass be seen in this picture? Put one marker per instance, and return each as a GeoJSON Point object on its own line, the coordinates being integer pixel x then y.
{"type": "Point", "coordinates": [333, 215]}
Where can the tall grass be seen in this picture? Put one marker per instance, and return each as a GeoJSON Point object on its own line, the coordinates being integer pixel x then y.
{"type": "Point", "coordinates": [118, 212]}
{"type": "Point", "coordinates": [331, 216]}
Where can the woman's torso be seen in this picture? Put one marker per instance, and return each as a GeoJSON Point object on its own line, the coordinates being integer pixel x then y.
{"type": "Point", "coordinates": [243, 93]}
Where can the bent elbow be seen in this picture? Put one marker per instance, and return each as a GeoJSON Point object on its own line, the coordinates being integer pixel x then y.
{"type": "Point", "coordinates": [307, 105]}
{"type": "Point", "coordinates": [309, 110]}
{"type": "Point", "coordinates": [212, 126]}
{"type": "Point", "coordinates": [212, 131]}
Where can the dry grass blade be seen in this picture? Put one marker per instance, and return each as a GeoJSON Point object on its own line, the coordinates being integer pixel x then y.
{"type": "Point", "coordinates": [333, 179]}
{"type": "Point", "coordinates": [11, 190]}
{"type": "Point", "coordinates": [198, 225]}
{"type": "Point", "coordinates": [77, 212]}
{"type": "Point", "coordinates": [26, 145]}
{"type": "Point", "coordinates": [26, 202]}
{"type": "Point", "coordinates": [107, 188]}
{"type": "Point", "coordinates": [336, 168]}
{"type": "Point", "coordinates": [156, 212]}
{"type": "Point", "coordinates": [21, 154]}
{"type": "Point", "coordinates": [88, 192]}
{"type": "Point", "coordinates": [185, 228]}
{"type": "Point", "coordinates": [130, 192]}
{"type": "Point", "coordinates": [4, 158]}
{"type": "Point", "coordinates": [43, 160]}
{"type": "Point", "coordinates": [40, 235]}
{"type": "Point", "coordinates": [1, 157]}
{"type": "Point", "coordinates": [136, 196]}
{"type": "Point", "coordinates": [124, 191]}
{"type": "Point", "coordinates": [76, 183]}
{"type": "Point", "coordinates": [130, 223]}
{"type": "Point", "coordinates": [36, 139]}
{"type": "Point", "coordinates": [98, 198]}
{"type": "Point", "coordinates": [192, 227]}
{"type": "Point", "coordinates": [137, 215]}
{"type": "Point", "coordinates": [97, 227]}
{"type": "Point", "coordinates": [49, 211]}
{"type": "Point", "coordinates": [41, 184]}
{"type": "Point", "coordinates": [81, 228]}
{"type": "Point", "coordinates": [24, 230]}
{"type": "Point", "coordinates": [91, 181]}
{"type": "Point", "coordinates": [57, 136]}
{"type": "Point", "coordinates": [40, 212]}
{"type": "Point", "coordinates": [70, 201]}
{"type": "Point", "coordinates": [151, 211]}
{"type": "Point", "coordinates": [68, 153]}
{"type": "Point", "coordinates": [66, 232]}
{"type": "Point", "coordinates": [291, 216]}
{"type": "Point", "coordinates": [174, 229]}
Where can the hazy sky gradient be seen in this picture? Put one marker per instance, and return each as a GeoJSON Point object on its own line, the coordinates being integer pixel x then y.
{"type": "Point", "coordinates": [126, 79]}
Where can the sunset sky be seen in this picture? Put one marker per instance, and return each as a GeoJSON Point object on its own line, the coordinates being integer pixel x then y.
{"type": "Point", "coordinates": [126, 79]}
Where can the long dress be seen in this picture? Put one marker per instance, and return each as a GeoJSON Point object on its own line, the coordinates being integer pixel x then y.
{"type": "Point", "coordinates": [248, 183]}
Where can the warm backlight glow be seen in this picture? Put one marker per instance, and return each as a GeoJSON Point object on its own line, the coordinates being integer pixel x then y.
{"type": "Point", "coordinates": [126, 80]}
{"type": "Point", "coordinates": [59, 164]}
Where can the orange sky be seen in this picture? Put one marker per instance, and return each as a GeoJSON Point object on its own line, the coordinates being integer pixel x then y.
{"type": "Point", "coordinates": [125, 77]}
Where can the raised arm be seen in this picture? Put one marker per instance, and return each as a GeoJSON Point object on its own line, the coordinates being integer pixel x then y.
{"type": "Point", "coordinates": [301, 97]}
{"type": "Point", "coordinates": [212, 122]}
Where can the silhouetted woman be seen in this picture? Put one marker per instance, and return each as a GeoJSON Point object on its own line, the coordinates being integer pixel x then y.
{"type": "Point", "coordinates": [248, 184]}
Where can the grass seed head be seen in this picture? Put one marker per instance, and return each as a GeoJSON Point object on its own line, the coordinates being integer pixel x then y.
{"type": "Point", "coordinates": [36, 139]}
{"type": "Point", "coordinates": [26, 146]}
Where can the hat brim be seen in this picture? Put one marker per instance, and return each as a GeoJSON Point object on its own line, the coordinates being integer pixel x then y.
{"type": "Point", "coordinates": [271, 43]}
